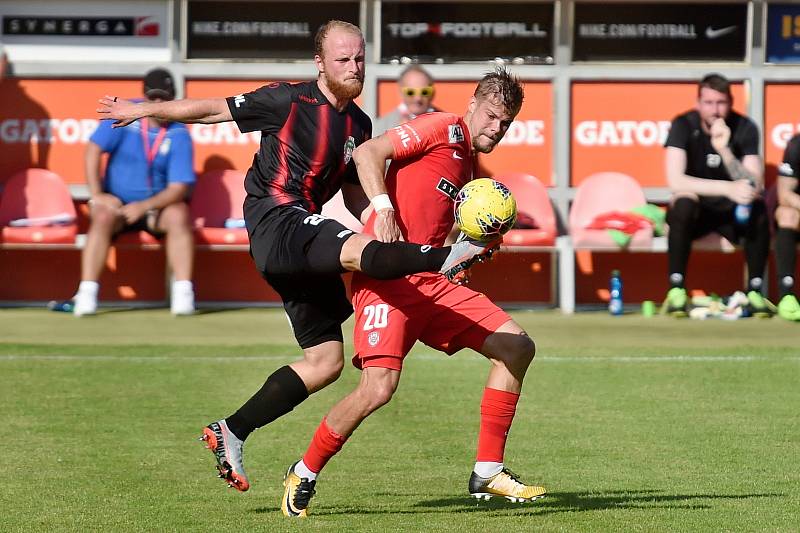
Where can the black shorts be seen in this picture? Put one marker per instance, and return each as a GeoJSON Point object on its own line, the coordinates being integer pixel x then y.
{"type": "Point", "coordinates": [298, 254]}
{"type": "Point", "coordinates": [147, 223]}
{"type": "Point", "coordinates": [716, 214]}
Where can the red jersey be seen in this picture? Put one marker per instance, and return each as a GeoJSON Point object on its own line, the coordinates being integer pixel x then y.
{"type": "Point", "coordinates": [432, 161]}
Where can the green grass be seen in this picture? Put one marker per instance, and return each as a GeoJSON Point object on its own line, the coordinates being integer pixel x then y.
{"type": "Point", "coordinates": [632, 424]}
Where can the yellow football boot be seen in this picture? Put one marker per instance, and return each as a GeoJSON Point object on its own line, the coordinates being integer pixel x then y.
{"type": "Point", "coordinates": [505, 484]}
{"type": "Point", "coordinates": [297, 494]}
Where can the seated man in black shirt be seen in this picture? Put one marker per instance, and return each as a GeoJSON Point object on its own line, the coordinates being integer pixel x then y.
{"type": "Point", "coordinates": [787, 218]}
{"type": "Point", "coordinates": [716, 175]}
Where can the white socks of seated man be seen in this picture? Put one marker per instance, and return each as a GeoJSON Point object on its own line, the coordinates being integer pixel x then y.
{"type": "Point", "coordinates": [181, 298]}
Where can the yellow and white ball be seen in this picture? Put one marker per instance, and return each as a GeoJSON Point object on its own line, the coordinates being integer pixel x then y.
{"type": "Point", "coordinates": [485, 209]}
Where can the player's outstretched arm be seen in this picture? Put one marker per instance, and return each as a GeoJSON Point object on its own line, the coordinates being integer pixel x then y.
{"type": "Point", "coordinates": [123, 112]}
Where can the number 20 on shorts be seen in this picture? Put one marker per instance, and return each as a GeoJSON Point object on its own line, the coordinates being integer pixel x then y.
{"type": "Point", "coordinates": [377, 316]}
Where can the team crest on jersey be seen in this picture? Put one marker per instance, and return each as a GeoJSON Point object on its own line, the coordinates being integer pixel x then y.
{"type": "Point", "coordinates": [455, 134]}
{"type": "Point", "coordinates": [373, 338]}
{"type": "Point", "coordinates": [349, 146]}
{"type": "Point", "coordinates": [713, 160]}
{"type": "Point", "coordinates": [786, 170]}
{"type": "Point", "coordinates": [447, 188]}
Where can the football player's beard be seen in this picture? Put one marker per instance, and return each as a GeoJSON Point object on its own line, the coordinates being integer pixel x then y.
{"type": "Point", "coordinates": [347, 90]}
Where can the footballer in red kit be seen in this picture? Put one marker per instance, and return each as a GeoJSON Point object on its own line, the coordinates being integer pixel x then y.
{"type": "Point", "coordinates": [431, 160]}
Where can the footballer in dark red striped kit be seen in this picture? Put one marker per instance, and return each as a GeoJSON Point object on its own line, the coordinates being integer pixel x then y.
{"type": "Point", "coordinates": [308, 133]}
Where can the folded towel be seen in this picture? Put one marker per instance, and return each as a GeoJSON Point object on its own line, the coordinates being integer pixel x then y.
{"type": "Point", "coordinates": [60, 219]}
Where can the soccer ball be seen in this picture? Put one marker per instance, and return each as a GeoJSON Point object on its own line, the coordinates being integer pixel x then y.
{"type": "Point", "coordinates": [485, 209]}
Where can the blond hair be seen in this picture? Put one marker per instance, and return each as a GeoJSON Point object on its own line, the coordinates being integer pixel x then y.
{"type": "Point", "coordinates": [503, 85]}
{"type": "Point", "coordinates": [322, 33]}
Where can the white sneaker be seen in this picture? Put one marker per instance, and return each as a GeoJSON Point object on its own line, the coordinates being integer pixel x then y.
{"type": "Point", "coordinates": [84, 304]}
{"type": "Point", "coordinates": [182, 298]}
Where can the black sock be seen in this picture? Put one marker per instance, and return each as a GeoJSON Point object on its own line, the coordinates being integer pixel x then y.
{"type": "Point", "coordinates": [785, 259]}
{"type": "Point", "coordinates": [282, 391]}
{"type": "Point", "coordinates": [756, 244]}
{"type": "Point", "coordinates": [391, 260]}
{"type": "Point", "coordinates": [682, 216]}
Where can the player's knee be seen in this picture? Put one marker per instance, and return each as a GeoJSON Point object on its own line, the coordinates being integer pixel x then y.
{"type": "Point", "coordinates": [379, 393]}
{"type": "Point", "coordinates": [522, 351]}
{"type": "Point", "coordinates": [787, 217]}
{"type": "Point", "coordinates": [352, 252]}
{"type": "Point", "coordinates": [331, 369]}
{"type": "Point", "coordinates": [102, 218]}
{"type": "Point", "coordinates": [175, 217]}
{"type": "Point", "coordinates": [682, 212]}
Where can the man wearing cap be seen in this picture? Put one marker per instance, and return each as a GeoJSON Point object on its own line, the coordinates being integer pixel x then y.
{"type": "Point", "coordinates": [146, 185]}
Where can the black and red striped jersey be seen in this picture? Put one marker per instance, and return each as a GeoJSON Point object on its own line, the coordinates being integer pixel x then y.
{"type": "Point", "coordinates": [306, 145]}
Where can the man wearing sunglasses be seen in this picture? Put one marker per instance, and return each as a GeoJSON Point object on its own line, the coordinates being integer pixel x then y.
{"type": "Point", "coordinates": [416, 92]}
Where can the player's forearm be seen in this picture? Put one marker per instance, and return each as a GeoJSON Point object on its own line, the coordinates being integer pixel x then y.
{"type": "Point", "coordinates": [207, 111]}
{"type": "Point", "coordinates": [92, 169]}
{"type": "Point", "coordinates": [370, 165]}
{"type": "Point", "coordinates": [174, 193]}
{"type": "Point", "coordinates": [698, 186]}
{"type": "Point", "coordinates": [736, 170]}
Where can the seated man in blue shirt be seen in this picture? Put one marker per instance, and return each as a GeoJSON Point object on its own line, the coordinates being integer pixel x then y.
{"type": "Point", "coordinates": [146, 185]}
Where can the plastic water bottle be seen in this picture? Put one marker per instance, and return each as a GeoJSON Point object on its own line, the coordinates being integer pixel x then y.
{"type": "Point", "coordinates": [615, 290]}
{"type": "Point", "coordinates": [66, 306]}
{"type": "Point", "coordinates": [742, 213]}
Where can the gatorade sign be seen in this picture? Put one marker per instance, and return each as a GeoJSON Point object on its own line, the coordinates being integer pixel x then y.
{"type": "Point", "coordinates": [621, 127]}
{"type": "Point", "coordinates": [781, 122]}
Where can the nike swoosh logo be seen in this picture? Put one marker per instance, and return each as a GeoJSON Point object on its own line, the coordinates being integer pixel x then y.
{"type": "Point", "coordinates": [289, 506]}
{"type": "Point", "coordinates": [712, 33]}
{"type": "Point", "coordinates": [456, 156]}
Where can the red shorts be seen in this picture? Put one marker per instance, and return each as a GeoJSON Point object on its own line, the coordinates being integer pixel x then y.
{"type": "Point", "coordinates": [391, 315]}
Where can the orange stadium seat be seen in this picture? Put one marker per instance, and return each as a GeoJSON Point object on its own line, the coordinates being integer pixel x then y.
{"type": "Point", "coordinates": [536, 219]}
{"type": "Point", "coordinates": [36, 208]}
{"type": "Point", "coordinates": [218, 197]}
{"type": "Point", "coordinates": [601, 193]}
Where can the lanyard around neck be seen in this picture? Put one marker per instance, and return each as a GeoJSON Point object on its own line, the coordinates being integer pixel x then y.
{"type": "Point", "coordinates": [151, 151]}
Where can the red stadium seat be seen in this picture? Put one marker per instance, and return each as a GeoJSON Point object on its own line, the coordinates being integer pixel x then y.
{"type": "Point", "coordinates": [533, 208]}
{"type": "Point", "coordinates": [36, 208]}
{"type": "Point", "coordinates": [218, 197]}
{"type": "Point", "coordinates": [601, 193]}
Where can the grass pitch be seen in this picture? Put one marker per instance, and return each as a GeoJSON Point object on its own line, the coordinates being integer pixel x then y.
{"type": "Point", "coordinates": [632, 424]}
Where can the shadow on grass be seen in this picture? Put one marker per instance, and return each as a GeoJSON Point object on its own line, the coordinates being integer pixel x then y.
{"type": "Point", "coordinates": [199, 311]}
{"type": "Point", "coordinates": [557, 502]}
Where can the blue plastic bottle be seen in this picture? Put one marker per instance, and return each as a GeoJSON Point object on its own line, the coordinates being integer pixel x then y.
{"type": "Point", "coordinates": [615, 290]}
{"type": "Point", "coordinates": [742, 213]}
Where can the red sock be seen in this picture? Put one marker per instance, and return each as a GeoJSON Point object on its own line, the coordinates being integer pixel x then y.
{"type": "Point", "coordinates": [497, 413]}
{"type": "Point", "coordinates": [325, 444]}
